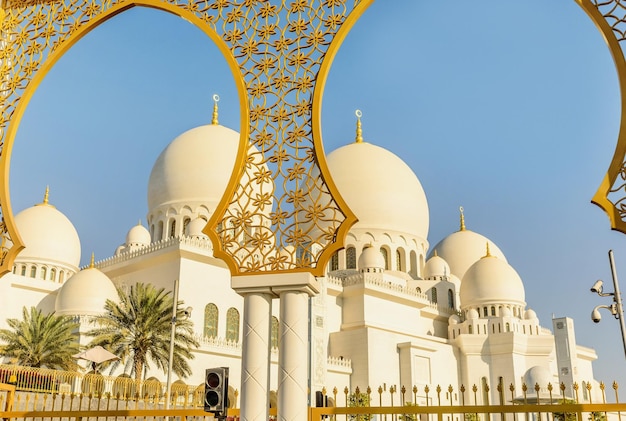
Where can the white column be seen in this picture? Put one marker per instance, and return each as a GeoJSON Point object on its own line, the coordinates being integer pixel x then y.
{"type": "Point", "coordinates": [294, 290]}
{"type": "Point", "coordinates": [293, 356]}
{"type": "Point", "coordinates": [255, 361]}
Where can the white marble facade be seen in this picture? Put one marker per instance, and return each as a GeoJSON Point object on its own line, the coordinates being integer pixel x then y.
{"type": "Point", "coordinates": [392, 310]}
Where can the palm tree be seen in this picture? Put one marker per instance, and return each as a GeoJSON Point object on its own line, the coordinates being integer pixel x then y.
{"type": "Point", "coordinates": [41, 340]}
{"type": "Point", "coordinates": [138, 329]}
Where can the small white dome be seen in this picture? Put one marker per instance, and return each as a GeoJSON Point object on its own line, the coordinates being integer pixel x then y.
{"type": "Point", "coordinates": [530, 315]}
{"type": "Point", "coordinates": [537, 375]}
{"type": "Point", "coordinates": [195, 227]}
{"type": "Point", "coordinates": [194, 168]}
{"type": "Point", "coordinates": [454, 319]}
{"type": "Point", "coordinates": [85, 293]}
{"type": "Point", "coordinates": [491, 281]}
{"type": "Point", "coordinates": [506, 312]}
{"type": "Point", "coordinates": [436, 267]}
{"type": "Point", "coordinates": [371, 258]}
{"type": "Point", "coordinates": [381, 190]}
{"type": "Point", "coordinates": [48, 236]}
{"type": "Point", "coordinates": [473, 314]}
{"type": "Point", "coordinates": [463, 248]}
{"type": "Point", "coordinates": [138, 236]}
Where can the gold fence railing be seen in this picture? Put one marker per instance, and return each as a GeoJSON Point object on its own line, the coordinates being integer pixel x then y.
{"type": "Point", "coordinates": [121, 388]}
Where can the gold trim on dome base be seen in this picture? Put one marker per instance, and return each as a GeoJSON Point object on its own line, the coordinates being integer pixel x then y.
{"type": "Point", "coordinates": [281, 211]}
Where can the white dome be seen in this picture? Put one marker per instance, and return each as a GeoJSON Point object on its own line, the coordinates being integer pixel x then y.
{"type": "Point", "coordinates": [194, 167]}
{"type": "Point", "coordinates": [537, 375]}
{"type": "Point", "coordinates": [454, 319]}
{"type": "Point", "coordinates": [138, 236]}
{"type": "Point", "coordinates": [530, 315]}
{"type": "Point", "coordinates": [85, 293]}
{"type": "Point", "coordinates": [195, 227]}
{"type": "Point", "coordinates": [435, 267]}
{"type": "Point", "coordinates": [463, 248]}
{"type": "Point", "coordinates": [491, 281]}
{"type": "Point", "coordinates": [371, 258]}
{"type": "Point", "coordinates": [48, 236]}
{"type": "Point", "coordinates": [381, 190]}
{"type": "Point", "coordinates": [473, 314]}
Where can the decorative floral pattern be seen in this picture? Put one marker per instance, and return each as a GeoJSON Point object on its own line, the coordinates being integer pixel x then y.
{"type": "Point", "coordinates": [282, 214]}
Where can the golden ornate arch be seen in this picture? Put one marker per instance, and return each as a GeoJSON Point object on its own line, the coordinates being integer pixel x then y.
{"type": "Point", "coordinates": [610, 19]}
{"type": "Point", "coordinates": [281, 211]}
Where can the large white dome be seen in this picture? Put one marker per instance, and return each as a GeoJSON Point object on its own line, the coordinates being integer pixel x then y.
{"type": "Point", "coordinates": [48, 235]}
{"type": "Point", "coordinates": [381, 190]}
{"type": "Point", "coordinates": [463, 248]}
{"type": "Point", "coordinates": [85, 293]}
{"type": "Point", "coordinates": [194, 167]}
{"type": "Point", "coordinates": [491, 281]}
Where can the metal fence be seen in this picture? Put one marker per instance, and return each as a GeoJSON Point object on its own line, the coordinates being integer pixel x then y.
{"type": "Point", "coordinates": [35, 394]}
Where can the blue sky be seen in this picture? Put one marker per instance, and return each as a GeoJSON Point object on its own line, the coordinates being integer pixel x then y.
{"type": "Point", "coordinates": [508, 108]}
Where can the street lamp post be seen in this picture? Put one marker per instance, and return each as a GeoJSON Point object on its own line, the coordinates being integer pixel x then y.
{"type": "Point", "coordinates": [616, 308]}
{"type": "Point", "coordinates": [170, 362]}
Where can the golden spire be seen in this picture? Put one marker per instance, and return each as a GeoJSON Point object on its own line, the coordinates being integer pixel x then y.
{"type": "Point", "coordinates": [216, 99]}
{"type": "Point", "coordinates": [92, 263]}
{"type": "Point", "coordinates": [435, 253]}
{"type": "Point", "coordinates": [359, 130]}
{"type": "Point", "coordinates": [46, 196]}
{"type": "Point", "coordinates": [462, 219]}
{"type": "Point", "coordinates": [488, 254]}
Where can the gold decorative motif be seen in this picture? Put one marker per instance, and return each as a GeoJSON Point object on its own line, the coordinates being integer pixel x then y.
{"type": "Point", "coordinates": [281, 211]}
{"type": "Point", "coordinates": [610, 19]}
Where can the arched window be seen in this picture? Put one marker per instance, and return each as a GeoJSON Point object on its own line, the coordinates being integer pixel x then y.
{"type": "Point", "coordinates": [433, 295]}
{"type": "Point", "coordinates": [419, 290]}
{"type": "Point", "coordinates": [53, 274]}
{"type": "Point", "coordinates": [159, 234]}
{"type": "Point", "coordinates": [334, 262]}
{"type": "Point", "coordinates": [485, 312]}
{"type": "Point", "coordinates": [173, 228]}
{"type": "Point", "coordinates": [33, 271]}
{"type": "Point", "coordinates": [450, 298]}
{"type": "Point", "coordinates": [61, 277]}
{"type": "Point", "coordinates": [211, 317]}
{"type": "Point", "coordinates": [493, 311]}
{"type": "Point", "coordinates": [186, 222]}
{"type": "Point", "coordinates": [274, 335]}
{"type": "Point", "coordinates": [470, 329]}
{"type": "Point", "coordinates": [399, 260]}
{"type": "Point", "coordinates": [43, 273]}
{"type": "Point", "coordinates": [350, 258]}
{"type": "Point", "coordinates": [383, 251]}
{"type": "Point", "coordinates": [232, 325]}
{"type": "Point", "coordinates": [508, 327]}
{"type": "Point", "coordinates": [23, 272]}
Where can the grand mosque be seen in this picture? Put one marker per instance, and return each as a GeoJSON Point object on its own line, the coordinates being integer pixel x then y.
{"type": "Point", "coordinates": [392, 310]}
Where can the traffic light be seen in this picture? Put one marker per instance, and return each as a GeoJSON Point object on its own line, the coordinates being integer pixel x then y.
{"type": "Point", "coordinates": [216, 389]}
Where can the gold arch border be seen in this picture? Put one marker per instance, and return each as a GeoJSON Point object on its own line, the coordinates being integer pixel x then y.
{"type": "Point", "coordinates": [610, 19]}
{"type": "Point", "coordinates": [281, 211]}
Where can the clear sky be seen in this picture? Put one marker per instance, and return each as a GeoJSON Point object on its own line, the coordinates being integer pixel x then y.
{"type": "Point", "coordinates": [508, 108]}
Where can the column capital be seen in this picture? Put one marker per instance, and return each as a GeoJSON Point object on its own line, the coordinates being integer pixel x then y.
{"type": "Point", "coordinates": [275, 283]}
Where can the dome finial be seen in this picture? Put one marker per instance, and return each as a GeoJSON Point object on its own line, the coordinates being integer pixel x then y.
{"type": "Point", "coordinates": [435, 253]}
{"type": "Point", "coordinates": [359, 130]}
{"type": "Point", "coordinates": [216, 99]}
{"type": "Point", "coordinates": [92, 263]}
{"type": "Point", "coordinates": [488, 254]}
{"type": "Point", "coordinates": [462, 218]}
{"type": "Point", "coordinates": [46, 196]}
